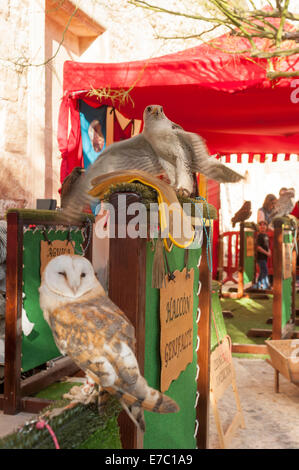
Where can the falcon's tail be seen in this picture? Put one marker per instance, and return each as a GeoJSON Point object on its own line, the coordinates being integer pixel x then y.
{"type": "Point", "coordinates": [77, 201]}
{"type": "Point", "coordinates": [208, 165]}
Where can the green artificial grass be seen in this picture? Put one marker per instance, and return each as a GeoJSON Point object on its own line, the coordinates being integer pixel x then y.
{"type": "Point", "coordinates": [56, 390]}
{"type": "Point", "coordinates": [249, 313]}
{"type": "Point", "coordinates": [56, 216]}
{"type": "Point", "coordinates": [149, 196]}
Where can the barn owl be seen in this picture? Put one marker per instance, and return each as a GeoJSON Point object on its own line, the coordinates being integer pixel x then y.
{"type": "Point", "coordinates": [162, 148]}
{"type": "Point", "coordinates": [89, 328]}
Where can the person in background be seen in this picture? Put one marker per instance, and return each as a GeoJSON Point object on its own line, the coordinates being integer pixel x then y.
{"type": "Point", "coordinates": [264, 212]}
{"type": "Point", "coordinates": [263, 253]}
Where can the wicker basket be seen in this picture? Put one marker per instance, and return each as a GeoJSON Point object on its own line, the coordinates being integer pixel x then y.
{"type": "Point", "coordinates": [285, 357]}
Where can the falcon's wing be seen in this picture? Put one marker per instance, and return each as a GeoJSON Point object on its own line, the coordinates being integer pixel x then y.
{"type": "Point", "coordinates": [135, 154]}
{"type": "Point", "coordinates": [204, 163]}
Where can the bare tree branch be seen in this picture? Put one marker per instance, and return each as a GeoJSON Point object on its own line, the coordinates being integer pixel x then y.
{"type": "Point", "coordinates": [22, 62]}
{"type": "Point", "coordinates": [242, 21]}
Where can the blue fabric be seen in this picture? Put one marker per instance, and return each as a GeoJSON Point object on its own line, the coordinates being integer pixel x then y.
{"type": "Point", "coordinates": [93, 131]}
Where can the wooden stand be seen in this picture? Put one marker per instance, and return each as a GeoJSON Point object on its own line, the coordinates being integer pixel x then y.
{"type": "Point", "coordinates": [277, 332]}
{"type": "Point", "coordinates": [239, 291]}
{"type": "Point", "coordinates": [15, 397]}
{"type": "Point", "coordinates": [127, 275]}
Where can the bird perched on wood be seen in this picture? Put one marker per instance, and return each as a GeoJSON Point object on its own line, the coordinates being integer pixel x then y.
{"type": "Point", "coordinates": [163, 147]}
{"type": "Point", "coordinates": [242, 214]}
{"type": "Point", "coordinates": [69, 184]}
{"type": "Point", "coordinates": [97, 336]}
{"type": "Point", "coordinates": [284, 204]}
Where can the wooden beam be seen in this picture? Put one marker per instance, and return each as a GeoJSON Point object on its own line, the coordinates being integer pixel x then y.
{"type": "Point", "coordinates": [62, 367]}
{"type": "Point", "coordinates": [13, 315]}
{"type": "Point", "coordinates": [294, 261]}
{"type": "Point", "coordinates": [233, 295]}
{"type": "Point", "coordinates": [241, 261]}
{"type": "Point", "coordinates": [34, 405]}
{"type": "Point", "coordinates": [203, 354]}
{"type": "Point", "coordinates": [259, 332]}
{"type": "Point", "coordinates": [249, 348]}
{"type": "Point", "coordinates": [127, 267]}
{"type": "Point", "coordinates": [277, 283]}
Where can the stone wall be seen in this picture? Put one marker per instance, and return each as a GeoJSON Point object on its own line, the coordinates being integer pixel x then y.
{"type": "Point", "coordinates": [30, 92]}
{"type": "Point", "coordinates": [14, 46]}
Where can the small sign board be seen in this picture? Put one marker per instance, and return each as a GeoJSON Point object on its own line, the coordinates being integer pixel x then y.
{"type": "Point", "coordinates": [287, 249]}
{"type": "Point", "coordinates": [249, 246]}
{"type": "Point", "coordinates": [176, 317]}
{"type": "Point", "coordinates": [53, 249]}
{"type": "Point", "coordinates": [221, 368]}
{"type": "Point", "coordinates": [222, 376]}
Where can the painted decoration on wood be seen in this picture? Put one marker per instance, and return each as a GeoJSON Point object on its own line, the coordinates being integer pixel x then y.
{"type": "Point", "coordinates": [249, 246]}
{"type": "Point", "coordinates": [287, 249]}
{"type": "Point", "coordinates": [176, 318]}
{"type": "Point", "coordinates": [53, 249]}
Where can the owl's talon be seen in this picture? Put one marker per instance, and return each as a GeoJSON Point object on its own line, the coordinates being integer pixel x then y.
{"type": "Point", "coordinates": [85, 394]}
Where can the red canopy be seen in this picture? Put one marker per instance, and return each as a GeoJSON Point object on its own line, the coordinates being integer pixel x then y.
{"type": "Point", "coordinates": [225, 98]}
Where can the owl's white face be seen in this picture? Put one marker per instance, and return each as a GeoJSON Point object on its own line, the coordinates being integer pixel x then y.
{"type": "Point", "coordinates": [69, 276]}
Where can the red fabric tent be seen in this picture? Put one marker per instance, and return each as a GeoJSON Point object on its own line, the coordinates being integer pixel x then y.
{"type": "Point", "coordinates": [225, 98]}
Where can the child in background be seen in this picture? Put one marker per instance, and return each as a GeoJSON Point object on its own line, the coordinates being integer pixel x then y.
{"type": "Point", "coordinates": [263, 252]}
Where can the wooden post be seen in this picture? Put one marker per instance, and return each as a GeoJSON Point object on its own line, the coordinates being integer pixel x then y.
{"type": "Point", "coordinates": [277, 283]}
{"type": "Point", "coordinates": [294, 261]}
{"type": "Point", "coordinates": [127, 278]}
{"type": "Point", "coordinates": [241, 262]}
{"type": "Point", "coordinates": [13, 315]}
{"type": "Point", "coordinates": [203, 354]}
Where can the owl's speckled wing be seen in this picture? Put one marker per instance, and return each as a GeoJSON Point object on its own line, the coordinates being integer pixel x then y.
{"type": "Point", "coordinates": [84, 328]}
{"type": "Point", "coordinates": [100, 339]}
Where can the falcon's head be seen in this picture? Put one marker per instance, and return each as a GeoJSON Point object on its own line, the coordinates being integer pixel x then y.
{"type": "Point", "coordinates": [153, 112]}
